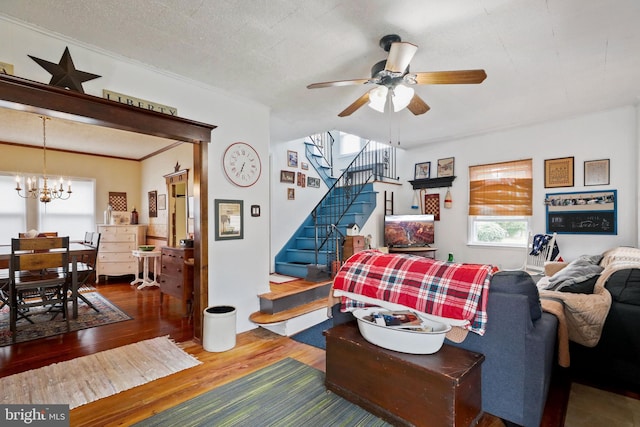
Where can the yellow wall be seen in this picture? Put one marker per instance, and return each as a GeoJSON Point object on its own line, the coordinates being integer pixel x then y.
{"type": "Point", "coordinates": [110, 174]}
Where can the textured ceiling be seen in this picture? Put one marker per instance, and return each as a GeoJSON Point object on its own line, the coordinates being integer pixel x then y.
{"type": "Point", "coordinates": [544, 59]}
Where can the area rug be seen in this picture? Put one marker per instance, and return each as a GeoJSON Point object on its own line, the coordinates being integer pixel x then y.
{"type": "Point", "coordinates": [280, 278]}
{"type": "Point", "coordinates": [589, 406]}
{"type": "Point", "coordinates": [314, 335]}
{"type": "Point", "coordinates": [44, 327]}
{"type": "Point", "coordinates": [89, 378]}
{"type": "Point", "coordinates": [287, 393]}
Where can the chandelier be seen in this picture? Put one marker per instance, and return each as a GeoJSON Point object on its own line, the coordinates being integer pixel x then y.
{"type": "Point", "coordinates": [46, 193]}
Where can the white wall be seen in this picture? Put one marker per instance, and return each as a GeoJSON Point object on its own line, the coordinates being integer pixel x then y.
{"type": "Point", "coordinates": [604, 135]}
{"type": "Point", "coordinates": [230, 281]}
{"type": "Point", "coordinates": [288, 215]}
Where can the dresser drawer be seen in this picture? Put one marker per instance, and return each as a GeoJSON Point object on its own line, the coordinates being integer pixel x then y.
{"type": "Point", "coordinates": [116, 268]}
{"type": "Point", "coordinates": [106, 247]}
{"type": "Point", "coordinates": [116, 257]}
{"type": "Point", "coordinates": [118, 238]}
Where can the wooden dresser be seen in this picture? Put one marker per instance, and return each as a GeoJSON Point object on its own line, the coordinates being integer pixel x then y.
{"type": "Point", "coordinates": [116, 243]}
{"type": "Point", "coordinates": [176, 275]}
{"type": "Point", "coordinates": [352, 244]}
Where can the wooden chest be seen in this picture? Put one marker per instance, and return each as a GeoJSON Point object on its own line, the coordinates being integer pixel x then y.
{"type": "Point", "coordinates": [352, 244]}
{"type": "Point", "coordinates": [440, 389]}
{"type": "Point", "coordinates": [176, 275]}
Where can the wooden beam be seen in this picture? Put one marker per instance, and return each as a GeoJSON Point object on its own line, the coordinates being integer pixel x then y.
{"type": "Point", "coordinates": [26, 95]}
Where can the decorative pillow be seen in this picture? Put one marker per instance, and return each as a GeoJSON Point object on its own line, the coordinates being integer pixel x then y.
{"type": "Point", "coordinates": [579, 270]}
{"type": "Point", "coordinates": [518, 282]}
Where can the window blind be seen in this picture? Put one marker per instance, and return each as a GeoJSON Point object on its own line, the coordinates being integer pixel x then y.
{"type": "Point", "coordinates": [501, 189]}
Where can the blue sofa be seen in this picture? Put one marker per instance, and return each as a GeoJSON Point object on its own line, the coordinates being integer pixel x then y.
{"type": "Point", "coordinates": [519, 348]}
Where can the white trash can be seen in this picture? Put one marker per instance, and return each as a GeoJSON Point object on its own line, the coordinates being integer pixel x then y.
{"type": "Point", "coordinates": [219, 328]}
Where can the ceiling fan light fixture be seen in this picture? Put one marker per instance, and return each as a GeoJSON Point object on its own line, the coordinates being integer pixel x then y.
{"type": "Point", "coordinates": [378, 98]}
{"type": "Point", "coordinates": [401, 97]}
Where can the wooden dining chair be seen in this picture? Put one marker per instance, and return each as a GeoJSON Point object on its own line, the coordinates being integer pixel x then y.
{"type": "Point", "coordinates": [39, 276]}
{"type": "Point", "coordinates": [86, 266]}
{"type": "Point", "coordinates": [41, 234]}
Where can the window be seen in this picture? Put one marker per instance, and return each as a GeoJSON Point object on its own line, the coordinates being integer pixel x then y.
{"type": "Point", "coordinates": [500, 203]}
{"type": "Point", "coordinates": [349, 144]}
{"type": "Point", "coordinates": [13, 213]}
{"type": "Point", "coordinates": [72, 217]}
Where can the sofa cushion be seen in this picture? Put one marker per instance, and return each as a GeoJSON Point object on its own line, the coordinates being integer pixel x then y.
{"type": "Point", "coordinates": [624, 286]}
{"type": "Point", "coordinates": [584, 287]}
{"type": "Point", "coordinates": [518, 282]}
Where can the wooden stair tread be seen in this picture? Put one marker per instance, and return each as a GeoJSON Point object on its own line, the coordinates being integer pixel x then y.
{"type": "Point", "coordinates": [282, 290]}
{"type": "Point", "coordinates": [265, 318]}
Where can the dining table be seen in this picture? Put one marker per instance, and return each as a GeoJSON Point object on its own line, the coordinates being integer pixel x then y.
{"type": "Point", "coordinates": [76, 251]}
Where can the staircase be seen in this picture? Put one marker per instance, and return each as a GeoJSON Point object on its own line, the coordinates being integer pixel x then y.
{"type": "Point", "coordinates": [317, 243]}
{"type": "Point", "coordinates": [350, 200]}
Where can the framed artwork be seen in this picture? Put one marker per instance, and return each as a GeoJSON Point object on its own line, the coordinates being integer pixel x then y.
{"type": "Point", "coordinates": [292, 159]}
{"type": "Point", "coordinates": [287, 177]}
{"type": "Point", "coordinates": [291, 193]}
{"type": "Point", "coordinates": [302, 179]}
{"type": "Point", "coordinates": [153, 204]}
{"type": "Point", "coordinates": [596, 172]}
{"type": "Point", "coordinates": [229, 219]}
{"type": "Point", "coordinates": [162, 202]}
{"type": "Point", "coordinates": [304, 166]}
{"type": "Point", "coordinates": [422, 170]}
{"type": "Point", "coordinates": [313, 182]}
{"type": "Point", "coordinates": [586, 212]}
{"type": "Point", "coordinates": [121, 217]}
{"type": "Point", "coordinates": [445, 167]}
{"type": "Point", "coordinates": [118, 201]}
{"type": "Point", "coordinates": [558, 172]}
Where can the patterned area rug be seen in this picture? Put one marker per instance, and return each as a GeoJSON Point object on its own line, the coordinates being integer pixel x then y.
{"type": "Point", "coordinates": [89, 378]}
{"type": "Point", "coordinates": [45, 327]}
{"type": "Point", "coordinates": [287, 393]}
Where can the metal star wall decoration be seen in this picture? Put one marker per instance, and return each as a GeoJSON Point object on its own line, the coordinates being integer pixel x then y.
{"type": "Point", "coordinates": [64, 73]}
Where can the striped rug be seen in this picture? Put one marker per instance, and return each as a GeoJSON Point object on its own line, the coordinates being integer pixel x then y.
{"type": "Point", "coordinates": [287, 393]}
{"type": "Point", "coordinates": [88, 378]}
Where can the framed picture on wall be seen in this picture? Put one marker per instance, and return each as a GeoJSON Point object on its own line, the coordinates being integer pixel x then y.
{"type": "Point", "coordinates": [162, 202]}
{"type": "Point", "coordinates": [287, 177]}
{"type": "Point", "coordinates": [153, 204]}
{"type": "Point", "coordinates": [583, 212]}
{"type": "Point", "coordinates": [445, 167]}
{"type": "Point", "coordinates": [291, 193]}
{"type": "Point", "coordinates": [558, 172]}
{"type": "Point", "coordinates": [596, 172]}
{"type": "Point", "coordinates": [422, 170]}
{"type": "Point", "coordinates": [292, 159]}
{"type": "Point", "coordinates": [229, 219]}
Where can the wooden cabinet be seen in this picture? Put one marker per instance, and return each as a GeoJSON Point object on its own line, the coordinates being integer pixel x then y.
{"type": "Point", "coordinates": [176, 275]}
{"type": "Point", "coordinates": [116, 243]}
{"type": "Point", "coordinates": [352, 244]}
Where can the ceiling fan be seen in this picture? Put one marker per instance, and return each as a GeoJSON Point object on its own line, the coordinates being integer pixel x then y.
{"type": "Point", "coordinates": [393, 80]}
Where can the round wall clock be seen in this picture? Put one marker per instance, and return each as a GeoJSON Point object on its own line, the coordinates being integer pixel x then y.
{"type": "Point", "coordinates": [241, 164]}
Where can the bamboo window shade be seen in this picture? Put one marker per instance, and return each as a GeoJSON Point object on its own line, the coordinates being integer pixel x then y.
{"type": "Point", "coordinates": [501, 189]}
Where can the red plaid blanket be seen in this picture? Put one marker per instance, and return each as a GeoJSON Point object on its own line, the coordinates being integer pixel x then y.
{"type": "Point", "coordinates": [455, 291]}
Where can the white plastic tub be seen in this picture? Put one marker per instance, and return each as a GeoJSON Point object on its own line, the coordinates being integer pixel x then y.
{"type": "Point", "coordinates": [402, 340]}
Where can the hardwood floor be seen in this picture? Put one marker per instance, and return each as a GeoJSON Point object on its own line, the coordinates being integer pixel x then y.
{"type": "Point", "coordinates": [254, 350]}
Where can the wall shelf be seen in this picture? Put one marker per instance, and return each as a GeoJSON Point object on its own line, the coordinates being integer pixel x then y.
{"type": "Point", "coordinates": [444, 181]}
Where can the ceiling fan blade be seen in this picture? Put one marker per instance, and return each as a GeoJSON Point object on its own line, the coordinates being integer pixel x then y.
{"type": "Point", "coordinates": [338, 83]}
{"type": "Point", "coordinates": [400, 55]}
{"type": "Point", "coordinates": [353, 107]}
{"type": "Point", "coordinates": [450, 77]}
{"type": "Point", "coordinates": [417, 106]}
